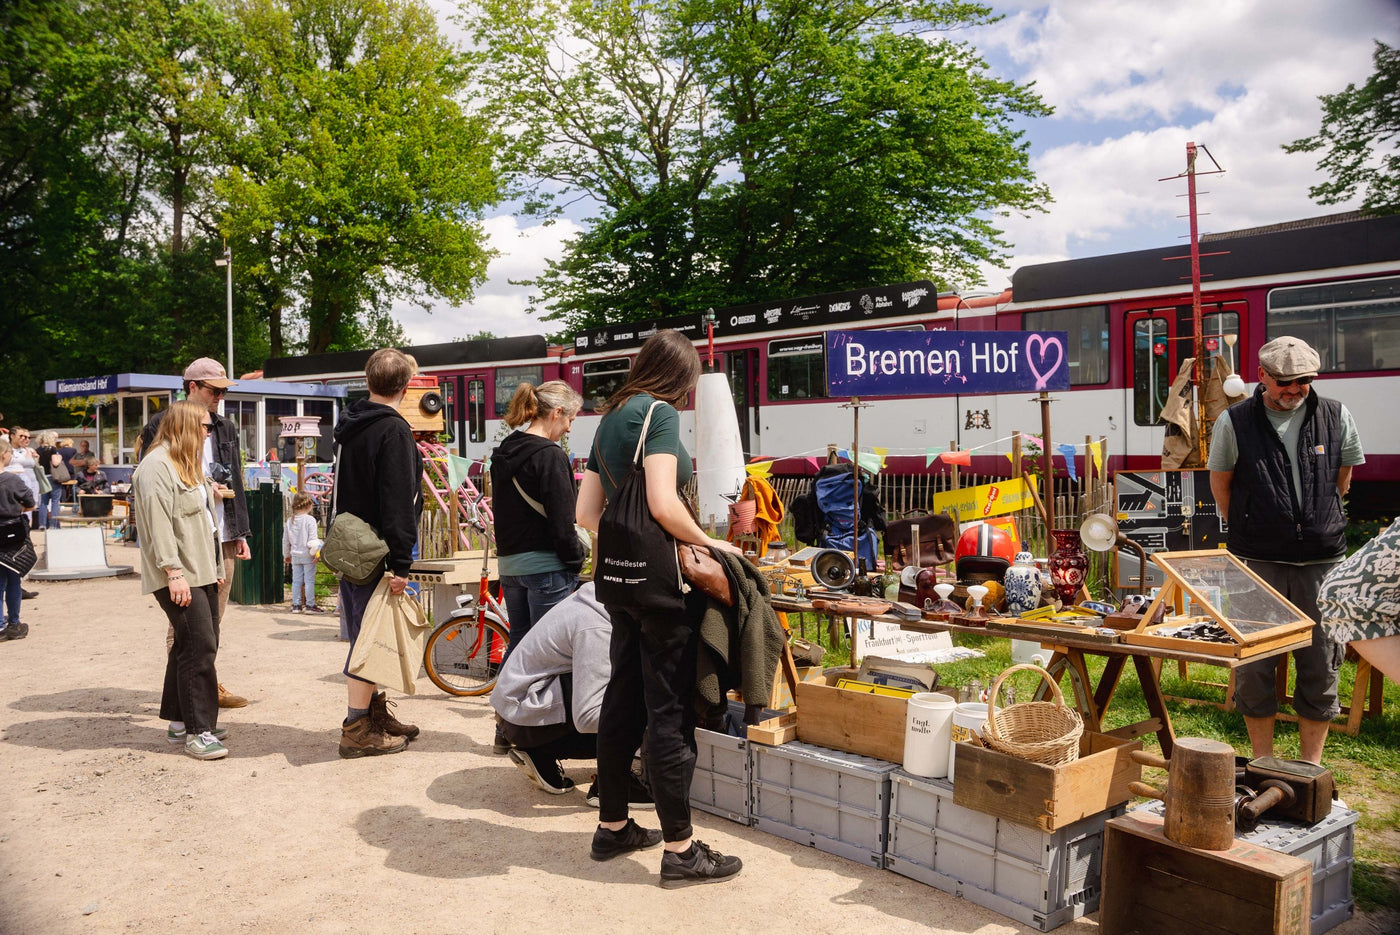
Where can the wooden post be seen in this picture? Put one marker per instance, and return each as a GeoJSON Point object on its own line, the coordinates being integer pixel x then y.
{"type": "Point", "coordinates": [1016, 454]}
{"type": "Point", "coordinates": [953, 446]}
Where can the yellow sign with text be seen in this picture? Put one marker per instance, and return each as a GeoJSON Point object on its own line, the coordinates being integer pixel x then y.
{"type": "Point", "coordinates": [986, 500]}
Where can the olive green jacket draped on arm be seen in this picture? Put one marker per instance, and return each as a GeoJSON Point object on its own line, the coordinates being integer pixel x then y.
{"type": "Point", "coordinates": [173, 523]}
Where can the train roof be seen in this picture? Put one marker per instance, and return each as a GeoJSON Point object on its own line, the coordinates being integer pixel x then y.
{"type": "Point", "coordinates": [1329, 242]}
{"type": "Point", "coordinates": [482, 350]}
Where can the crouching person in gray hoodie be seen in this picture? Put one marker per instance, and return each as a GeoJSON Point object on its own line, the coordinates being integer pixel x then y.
{"type": "Point", "coordinates": [549, 693]}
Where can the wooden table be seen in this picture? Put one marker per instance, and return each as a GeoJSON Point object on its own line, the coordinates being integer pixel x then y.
{"type": "Point", "coordinates": [1070, 649]}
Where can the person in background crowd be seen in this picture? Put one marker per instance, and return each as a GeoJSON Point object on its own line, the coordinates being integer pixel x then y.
{"type": "Point", "coordinates": [206, 383]}
{"type": "Point", "coordinates": [91, 478]}
{"type": "Point", "coordinates": [297, 538]}
{"type": "Point", "coordinates": [653, 654]}
{"type": "Point", "coordinates": [532, 485]}
{"type": "Point", "coordinates": [24, 461]}
{"type": "Point", "coordinates": [66, 451]}
{"type": "Point", "coordinates": [175, 505]}
{"type": "Point", "coordinates": [49, 459]}
{"type": "Point", "coordinates": [15, 501]}
{"type": "Point", "coordinates": [1280, 463]}
{"type": "Point", "coordinates": [379, 478]}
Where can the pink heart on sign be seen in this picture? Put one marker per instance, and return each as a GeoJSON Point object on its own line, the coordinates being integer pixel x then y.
{"type": "Point", "coordinates": [1043, 346]}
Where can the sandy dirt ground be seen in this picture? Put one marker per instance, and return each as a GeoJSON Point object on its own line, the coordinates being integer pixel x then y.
{"type": "Point", "coordinates": [104, 827]}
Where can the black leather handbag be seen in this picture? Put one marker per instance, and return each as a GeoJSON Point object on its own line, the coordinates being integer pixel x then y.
{"type": "Point", "coordinates": [16, 549]}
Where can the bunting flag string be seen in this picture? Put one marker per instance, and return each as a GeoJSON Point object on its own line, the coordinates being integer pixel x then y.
{"type": "Point", "coordinates": [931, 455]}
{"type": "Point", "coordinates": [962, 458]}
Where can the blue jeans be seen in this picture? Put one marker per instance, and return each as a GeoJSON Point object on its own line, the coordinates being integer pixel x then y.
{"type": "Point", "coordinates": [13, 595]}
{"type": "Point", "coordinates": [48, 507]}
{"type": "Point", "coordinates": [529, 597]}
{"type": "Point", "coordinates": [303, 584]}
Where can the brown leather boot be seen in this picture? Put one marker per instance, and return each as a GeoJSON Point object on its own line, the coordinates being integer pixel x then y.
{"type": "Point", "coordinates": [362, 738]}
{"type": "Point", "coordinates": [386, 722]}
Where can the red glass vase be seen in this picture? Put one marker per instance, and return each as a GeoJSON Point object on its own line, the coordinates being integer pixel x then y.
{"type": "Point", "coordinates": [1068, 564]}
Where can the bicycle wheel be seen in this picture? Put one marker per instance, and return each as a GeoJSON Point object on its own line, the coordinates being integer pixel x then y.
{"type": "Point", "coordinates": [463, 656]}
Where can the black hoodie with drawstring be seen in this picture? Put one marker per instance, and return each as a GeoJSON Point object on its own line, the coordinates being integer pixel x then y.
{"type": "Point", "coordinates": [542, 469]}
{"type": "Point", "coordinates": [379, 477]}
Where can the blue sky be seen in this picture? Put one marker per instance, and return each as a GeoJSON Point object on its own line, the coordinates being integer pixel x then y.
{"type": "Point", "coordinates": [1131, 82]}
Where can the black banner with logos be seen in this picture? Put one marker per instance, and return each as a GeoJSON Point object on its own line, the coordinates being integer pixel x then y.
{"type": "Point", "coordinates": [818, 312]}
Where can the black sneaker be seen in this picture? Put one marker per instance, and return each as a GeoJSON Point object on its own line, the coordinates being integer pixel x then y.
{"type": "Point", "coordinates": [543, 772]}
{"type": "Point", "coordinates": [633, 837]}
{"type": "Point", "coordinates": [638, 795]}
{"type": "Point", "coordinates": [704, 865]}
{"type": "Point", "coordinates": [500, 745]}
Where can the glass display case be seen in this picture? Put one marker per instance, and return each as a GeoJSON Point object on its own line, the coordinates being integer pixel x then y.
{"type": "Point", "coordinates": [1216, 605]}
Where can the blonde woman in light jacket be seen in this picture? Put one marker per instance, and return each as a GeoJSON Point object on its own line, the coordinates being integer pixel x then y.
{"type": "Point", "coordinates": [179, 565]}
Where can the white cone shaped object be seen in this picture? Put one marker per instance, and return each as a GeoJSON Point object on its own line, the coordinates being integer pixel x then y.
{"type": "Point", "coordinates": [719, 451]}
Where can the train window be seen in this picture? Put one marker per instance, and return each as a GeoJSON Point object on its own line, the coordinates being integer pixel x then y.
{"type": "Point", "coordinates": [446, 389]}
{"type": "Point", "coordinates": [476, 410]}
{"type": "Point", "coordinates": [1220, 334]}
{"type": "Point", "coordinates": [508, 378]}
{"type": "Point", "coordinates": [601, 379]}
{"type": "Point", "coordinates": [1152, 370]}
{"type": "Point", "coordinates": [1088, 339]}
{"type": "Point", "coordinates": [797, 368]}
{"type": "Point", "coordinates": [1352, 325]}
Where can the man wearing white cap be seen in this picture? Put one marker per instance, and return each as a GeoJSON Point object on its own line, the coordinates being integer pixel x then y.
{"type": "Point", "coordinates": [1280, 463]}
{"type": "Point", "coordinates": [206, 383]}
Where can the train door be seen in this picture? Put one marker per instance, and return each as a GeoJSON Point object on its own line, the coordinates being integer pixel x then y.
{"type": "Point", "coordinates": [1159, 341]}
{"type": "Point", "coordinates": [741, 368]}
{"type": "Point", "coordinates": [471, 425]}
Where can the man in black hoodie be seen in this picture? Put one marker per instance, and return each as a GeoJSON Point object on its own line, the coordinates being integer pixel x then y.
{"type": "Point", "coordinates": [379, 478]}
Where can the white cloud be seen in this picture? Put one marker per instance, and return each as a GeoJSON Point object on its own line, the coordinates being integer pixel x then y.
{"type": "Point", "coordinates": [1133, 82]}
{"type": "Point", "coordinates": [499, 305]}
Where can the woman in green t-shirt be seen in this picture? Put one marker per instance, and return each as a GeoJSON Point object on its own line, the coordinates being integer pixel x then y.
{"type": "Point", "coordinates": [653, 654]}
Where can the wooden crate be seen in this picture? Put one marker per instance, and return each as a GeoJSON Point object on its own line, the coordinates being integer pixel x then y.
{"type": "Point", "coordinates": [870, 725]}
{"type": "Point", "coordinates": [1155, 886]}
{"type": "Point", "coordinates": [1049, 797]}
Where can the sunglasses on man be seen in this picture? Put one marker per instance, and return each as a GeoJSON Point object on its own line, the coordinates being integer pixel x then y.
{"type": "Point", "coordinates": [1297, 381]}
{"type": "Point", "coordinates": [216, 390]}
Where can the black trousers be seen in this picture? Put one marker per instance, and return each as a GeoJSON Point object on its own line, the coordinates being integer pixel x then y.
{"type": "Point", "coordinates": [651, 690]}
{"type": "Point", "coordinates": [191, 691]}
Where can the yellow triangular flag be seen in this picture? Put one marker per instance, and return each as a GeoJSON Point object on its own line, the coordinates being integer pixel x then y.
{"type": "Point", "coordinates": [1096, 449]}
{"type": "Point", "coordinates": [881, 452]}
{"type": "Point", "coordinates": [759, 469]}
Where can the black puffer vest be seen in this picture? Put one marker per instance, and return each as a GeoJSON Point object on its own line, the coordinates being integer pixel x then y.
{"type": "Point", "coordinates": [1266, 520]}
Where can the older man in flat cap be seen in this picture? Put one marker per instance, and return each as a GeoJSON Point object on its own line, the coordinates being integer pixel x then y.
{"type": "Point", "coordinates": [1280, 463]}
{"type": "Point", "coordinates": [206, 383]}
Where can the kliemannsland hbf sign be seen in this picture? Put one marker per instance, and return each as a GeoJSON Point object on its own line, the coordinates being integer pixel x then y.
{"type": "Point", "coordinates": [945, 363]}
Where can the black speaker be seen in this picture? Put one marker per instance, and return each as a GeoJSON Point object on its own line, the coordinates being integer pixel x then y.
{"type": "Point", "coordinates": [431, 403]}
{"type": "Point", "coordinates": [833, 569]}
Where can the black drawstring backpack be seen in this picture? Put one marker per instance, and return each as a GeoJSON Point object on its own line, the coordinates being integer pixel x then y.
{"type": "Point", "coordinates": [636, 565]}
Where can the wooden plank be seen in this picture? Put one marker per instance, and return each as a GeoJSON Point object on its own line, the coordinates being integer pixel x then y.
{"type": "Point", "coordinates": [775, 731]}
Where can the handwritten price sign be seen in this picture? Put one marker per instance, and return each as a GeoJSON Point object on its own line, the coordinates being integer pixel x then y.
{"type": "Point", "coordinates": [945, 363]}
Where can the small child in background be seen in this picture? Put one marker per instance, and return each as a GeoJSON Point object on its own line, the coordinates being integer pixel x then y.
{"type": "Point", "coordinates": [297, 547]}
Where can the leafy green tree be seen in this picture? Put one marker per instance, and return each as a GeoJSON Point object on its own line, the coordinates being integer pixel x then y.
{"type": "Point", "coordinates": [1360, 140]}
{"type": "Point", "coordinates": [356, 177]}
{"type": "Point", "coordinates": [740, 150]}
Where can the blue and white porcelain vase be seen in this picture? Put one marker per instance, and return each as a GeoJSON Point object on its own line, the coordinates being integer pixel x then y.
{"type": "Point", "coordinates": [1022, 581]}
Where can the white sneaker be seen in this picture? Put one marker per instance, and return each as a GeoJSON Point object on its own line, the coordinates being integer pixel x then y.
{"type": "Point", "coordinates": [205, 746]}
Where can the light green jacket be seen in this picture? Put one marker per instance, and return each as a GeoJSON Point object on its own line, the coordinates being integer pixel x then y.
{"type": "Point", "coordinates": [174, 524]}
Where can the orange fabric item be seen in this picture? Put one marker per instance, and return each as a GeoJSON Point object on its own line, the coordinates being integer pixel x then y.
{"type": "Point", "coordinates": [767, 514]}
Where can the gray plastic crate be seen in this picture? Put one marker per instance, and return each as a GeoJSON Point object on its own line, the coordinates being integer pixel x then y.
{"type": "Point", "coordinates": [1329, 845]}
{"type": "Point", "coordinates": [721, 785]}
{"type": "Point", "coordinates": [836, 802]}
{"type": "Point", "coordinates": [1043, 879]}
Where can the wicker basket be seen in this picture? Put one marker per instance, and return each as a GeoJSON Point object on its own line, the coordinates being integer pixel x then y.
{"type": "Point", "coordinates": [1040, 731]}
